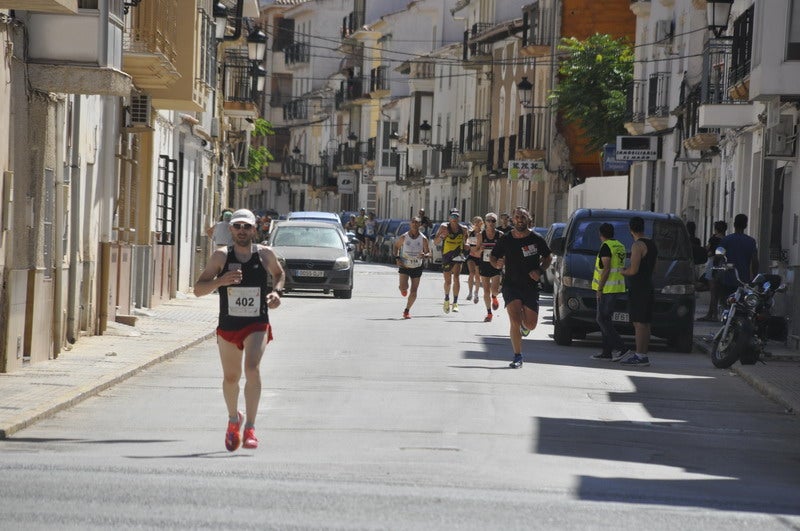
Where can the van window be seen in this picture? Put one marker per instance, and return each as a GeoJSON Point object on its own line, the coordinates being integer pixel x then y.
{"type": "Point", "coordinates": [670, 237]}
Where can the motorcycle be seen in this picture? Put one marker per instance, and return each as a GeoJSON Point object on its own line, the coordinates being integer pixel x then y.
{"type": "Point", "coordinates": [748, 322]}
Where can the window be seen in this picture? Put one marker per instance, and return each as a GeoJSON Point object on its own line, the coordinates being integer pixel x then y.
{"type": "Point", "coordinates": [793, 47]}
{"type": "Point", "coordinates": [166, 200]}
{"type": "Point", "coordinates": [87, 4]}
{"type": "Point", "coordinates": [388, 158]}
{"type": "Point", "coordinates": [207, 58]}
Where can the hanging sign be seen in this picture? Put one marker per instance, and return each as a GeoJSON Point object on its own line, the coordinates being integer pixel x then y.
{"type": "Point", "coordinates": [529, 170]}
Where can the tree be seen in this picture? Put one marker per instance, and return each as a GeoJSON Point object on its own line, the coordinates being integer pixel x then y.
{"type": "Point", "coordinates": [592, 87]}
{"type": "Point", "coordinates": [259, 156]}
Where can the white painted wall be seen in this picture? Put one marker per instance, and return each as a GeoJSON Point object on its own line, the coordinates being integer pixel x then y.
{"type": "Point", "coordinates": [599, 192]}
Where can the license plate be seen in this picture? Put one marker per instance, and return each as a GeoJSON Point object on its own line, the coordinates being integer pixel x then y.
{"type": "Point", "coordinates": [621, 317]}
{"type": "Point", "coordinates": [309, 273]}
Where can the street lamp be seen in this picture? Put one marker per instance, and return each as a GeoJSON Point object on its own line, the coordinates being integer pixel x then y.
{"type": "Point", "coordinates": [717, 13]}
{"type": "Point", "coordinates": [352, 139]}
{"type": "Point", "coordinates": [220, 19]}
{"type": "Point", "coordinates": [425, 132]}
{"type": "Point", "coordinates": [256, 45]}
{"type": "Point", "coordinates": [525, 89]}
{"type": "Point", "coordinates": [394, 138]}
{"type": "Point", "coordinates": [259, 76]}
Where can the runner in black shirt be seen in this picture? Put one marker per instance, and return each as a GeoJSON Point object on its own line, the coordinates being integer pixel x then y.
{"type": "Point", "coordinates": [525, 256]}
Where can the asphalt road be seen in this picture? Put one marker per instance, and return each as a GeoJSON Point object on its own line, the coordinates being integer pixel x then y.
{"type": "Point", "coordinates": [369, 421]}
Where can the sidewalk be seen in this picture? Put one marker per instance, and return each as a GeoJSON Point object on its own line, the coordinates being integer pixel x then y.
{"type": "Point", "coordinates": [778, 377]}
{"type": "Point", "coordinates": [97, 362]}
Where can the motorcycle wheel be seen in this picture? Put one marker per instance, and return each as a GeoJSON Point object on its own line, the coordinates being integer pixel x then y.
{"type": "Point", "coordinates": [728, 348]}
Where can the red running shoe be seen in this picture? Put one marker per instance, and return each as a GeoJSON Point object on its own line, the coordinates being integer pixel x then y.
{"type": "Point", "coordinates": [406, 314]}
{"type": "Point", "coordinates": [488, 318]}
{"type": "Point", "coordinates": [250, 439]}
{"type": "Point", "coordinates": [495, 304]}
{"type": "Point", "coordinates": [232, 437]}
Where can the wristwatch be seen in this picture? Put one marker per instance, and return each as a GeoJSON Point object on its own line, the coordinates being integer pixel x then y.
{"type": "Point", "coordinates": [279, 292]}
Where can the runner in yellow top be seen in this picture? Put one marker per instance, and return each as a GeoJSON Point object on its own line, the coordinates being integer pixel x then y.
{"type": "Point", "coordinates": [452, 236]}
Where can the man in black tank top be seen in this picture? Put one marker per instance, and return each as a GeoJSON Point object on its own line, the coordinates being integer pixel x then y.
{"type": "Point", "coordinates": [239, 272]}
{"type": "Point", "coordinates": [640, 291]}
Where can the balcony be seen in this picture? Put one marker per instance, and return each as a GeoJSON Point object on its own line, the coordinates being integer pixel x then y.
{"type": "Point", "coordinates": [352, 90]}
{"type": "Point", "coordinates": [352, 23]}
{"type": "Point", "coordinates": [63, 7]}
{"type": "Point", "coordinates": [696, 138]}
{"type": "Point", "coordinates": [474, 140]}
{"type": "Point", "coordinates": [538, 31]}
{"type": "Point", "coordinates": [149, 45]}
{"type": "Point", "coordinates": [717, 108]}
{"type": "Point", "coordinates": [636, 107]}
{"type": "Point", "coordinates": [741, 57]}
{"type": "Point", "coordinates": [296, 54]}
{"type": "Point", "coordinates": [239, 85]}
{"type": "Point", "coordinates": [476, 54]}
{"type": "Point", "coordinates": [658, 100]}
{"type": "Point", "coordinates": [453, 163]}
{"type": "Point", "coordinates": [196, 62]}
{"type": "Point", "coordinates": [531, 139]}
{"type": "Point", "coordinates": [379, 82]}
{"type": "Point", "coordinates": [295, 110]}
{"type": "Point", "coordinates": [91, 64]}
{"type": "Point", "coordinates": [640, 8]}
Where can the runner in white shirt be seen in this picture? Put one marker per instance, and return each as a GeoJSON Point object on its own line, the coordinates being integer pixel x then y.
{"type": "Point", "coordinates": [410, 250]}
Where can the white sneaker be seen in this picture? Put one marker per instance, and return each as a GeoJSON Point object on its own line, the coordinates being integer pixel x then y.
{"type": "Point", "coordinates": [618, 355]}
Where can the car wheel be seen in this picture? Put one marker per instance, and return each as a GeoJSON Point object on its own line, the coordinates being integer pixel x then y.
{"type": "Point", "coordinates": [343, 293]}
{"type": "Point", "coordinates": [562, 335]}
{"type": "Point", "coordinates": [683, 342]}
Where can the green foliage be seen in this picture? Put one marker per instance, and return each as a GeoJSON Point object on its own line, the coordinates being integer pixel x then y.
{"type": "Point", "coordinates": [592, 88]}
{"type": "Point", "coordinates": [259, 156]}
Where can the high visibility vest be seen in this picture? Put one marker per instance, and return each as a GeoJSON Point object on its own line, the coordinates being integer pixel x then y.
{"type": "Point", "coordinates": [615, 283]}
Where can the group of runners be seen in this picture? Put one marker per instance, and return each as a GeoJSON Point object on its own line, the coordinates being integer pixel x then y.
{"type": "Point", "coordinates": [509, 262]}
{"type": "Point", "coordinates": [239, 273]}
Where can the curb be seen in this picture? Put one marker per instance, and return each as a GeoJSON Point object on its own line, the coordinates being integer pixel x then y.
{"type": "Point", "coordinates": [80, 394]}
{"type": "Point", "coordinates": [760, 384]}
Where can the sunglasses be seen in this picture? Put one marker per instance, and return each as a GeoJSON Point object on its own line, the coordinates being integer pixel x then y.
{"type": "Point", "coordinates": [240, 226]}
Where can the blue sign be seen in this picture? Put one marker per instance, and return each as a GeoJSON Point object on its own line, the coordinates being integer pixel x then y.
{"type": "Point", "coordinates": [610, 162]}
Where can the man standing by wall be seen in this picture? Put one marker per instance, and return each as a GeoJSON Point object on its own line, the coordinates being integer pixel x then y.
{"type": "Point", "coordinates": [741, 250]}
{"type": "Point", "coordinates": [640, 295]}
{"type": "Point", "coordinates": [609, 284]}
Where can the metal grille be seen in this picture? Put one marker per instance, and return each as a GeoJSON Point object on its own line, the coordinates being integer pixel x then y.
{"type": "Point", "coordinates": [166, 200]}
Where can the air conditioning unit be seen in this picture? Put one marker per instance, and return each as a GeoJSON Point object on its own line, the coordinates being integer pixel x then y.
{"type": "Point", "coordinates": [138, 114]}
{"type": "Point", "coordinates": [781, 140]}
{"type": "Point", "coordinates": [665, 29]}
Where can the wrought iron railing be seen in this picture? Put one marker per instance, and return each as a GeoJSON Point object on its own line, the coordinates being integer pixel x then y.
{"type": "Point", "coordinates": [658, 95]}
{"type": "Point", "coordinates": [297, 52]}
{"type": "Point", "coordinates": [636, 101]}
{"type": "Point", "coordinates": [238, 74]}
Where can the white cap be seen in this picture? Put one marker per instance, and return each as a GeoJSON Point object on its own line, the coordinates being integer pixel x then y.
{"type": "Point", "coordinates": [243, 215]}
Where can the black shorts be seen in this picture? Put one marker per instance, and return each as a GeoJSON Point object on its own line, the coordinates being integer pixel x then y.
{"type": "Point", "coordinates": [476, 259]}
{"type": "Point", "coordinates": [360, 237]}
{"type": "Point", "coordinates": [528, 296]}
{"type": "Point", "coordinates": [640, 306]}
{"type": "Point", "coordinates": [413, 272]}
{"type": "Point", "coordinates": [486, 270]}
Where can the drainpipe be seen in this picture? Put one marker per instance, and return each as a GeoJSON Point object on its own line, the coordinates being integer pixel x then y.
{"type": "Point", "coordinates": [58, 248]}
{"type": "Point", "coordinates": [74, 225]}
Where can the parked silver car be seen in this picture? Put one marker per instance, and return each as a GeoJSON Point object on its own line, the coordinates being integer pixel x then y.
{"type": "Point", "coordinates": [315, 255]}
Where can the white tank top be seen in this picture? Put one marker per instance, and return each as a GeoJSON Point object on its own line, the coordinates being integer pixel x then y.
{"type": "Point", "coordinates": [412, 250]}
